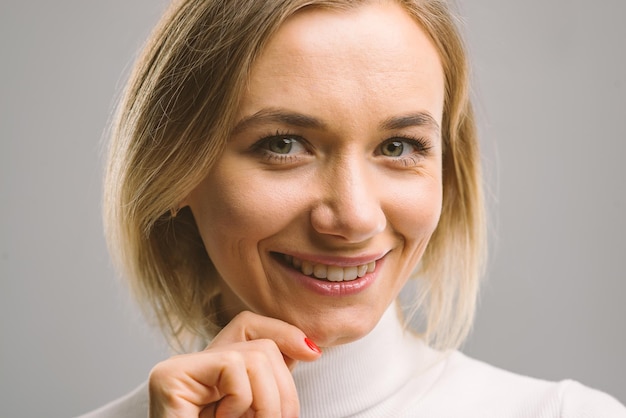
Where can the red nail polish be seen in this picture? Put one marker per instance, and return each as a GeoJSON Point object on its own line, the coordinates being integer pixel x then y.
{"type": "Point", "coordinates": [312, 346]}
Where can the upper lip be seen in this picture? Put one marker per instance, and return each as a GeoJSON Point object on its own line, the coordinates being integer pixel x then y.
{"type": "Point", "coordinates": [340, 261]}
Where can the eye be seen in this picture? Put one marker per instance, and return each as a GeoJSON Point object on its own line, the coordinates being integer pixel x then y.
{"type": "Point", "coordinates": [281, 148]}
{"type": "Point", "coordinates": [405, 152]}
{"type": "Point", "coordinates": [401, 147]}
{"type": "Point", "coordinates": [284, 145]}
{"type": "Point", "coordinates": [393, 148]}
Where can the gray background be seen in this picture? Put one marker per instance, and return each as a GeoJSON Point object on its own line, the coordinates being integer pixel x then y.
{"type": "Point", "coordinates": [551, 88]}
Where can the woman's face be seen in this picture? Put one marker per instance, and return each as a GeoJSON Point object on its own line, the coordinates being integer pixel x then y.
{"type": "Point", "coordinates": [330, 186]}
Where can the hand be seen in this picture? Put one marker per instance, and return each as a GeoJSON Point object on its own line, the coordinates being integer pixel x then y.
{"type": "Point", "coordinates": [244, 372]}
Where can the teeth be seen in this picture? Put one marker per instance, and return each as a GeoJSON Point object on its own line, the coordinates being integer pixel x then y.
{"type": "Point", "coordinates": [350, 273]}
{"type": "Point", "coordinates": [320, 271]}
{"type": "Point", "coordinates": [307, 268]}
{"type": "Point", "coordinates": [335, 274]}
{"type": "Point", "coordinates": [361, 270]}
{"type": "Point", "coordinates": [331, 273]}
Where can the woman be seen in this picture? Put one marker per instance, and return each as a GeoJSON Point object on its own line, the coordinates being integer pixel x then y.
{"type": "Point", "coordinates": [279, 171]}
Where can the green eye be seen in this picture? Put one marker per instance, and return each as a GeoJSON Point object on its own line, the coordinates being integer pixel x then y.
{"type": "Point", "coordinates": [281, 145]}
{"type": "Point", "coordinates": [281, 148]}
{"type": "Point", "coordinates": [392, 148]}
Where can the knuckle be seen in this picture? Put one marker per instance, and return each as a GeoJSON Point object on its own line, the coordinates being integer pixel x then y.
{"type": "Point", "coordinates": [161, 382]}
{"type": "Point", "coordinates": [243, 317]}
{"type": "Point", "coordinates": [160, 371]}
{"type": "Point", "coordinates": [242, 323]}
{"type": "Point", "coordinates": [266, 344]}
{"type": "Point", "coordinates": [232, 357]}
{"type": "Point", "coordinates": [257, 357]}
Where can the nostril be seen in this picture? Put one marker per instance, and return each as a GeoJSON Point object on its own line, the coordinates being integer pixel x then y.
{"type": "Point", "coordinates": [353, 224]}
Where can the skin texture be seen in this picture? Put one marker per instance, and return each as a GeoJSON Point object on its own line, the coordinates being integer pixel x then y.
{"type": "Point", "coordinates": [336, 160]}
{"type": "Point", "coordinates": [334, 194]}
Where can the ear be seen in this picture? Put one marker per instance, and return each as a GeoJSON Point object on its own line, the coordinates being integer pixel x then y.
{"type": "Point", "coordinates": [175, 209]}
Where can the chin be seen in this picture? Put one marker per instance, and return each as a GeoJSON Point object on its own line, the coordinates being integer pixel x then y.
{"type": "Point", "coordinates": [339, 327]}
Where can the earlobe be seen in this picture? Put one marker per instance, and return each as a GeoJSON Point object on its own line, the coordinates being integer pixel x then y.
{"type": "Point", "coordinates": [175, 209]}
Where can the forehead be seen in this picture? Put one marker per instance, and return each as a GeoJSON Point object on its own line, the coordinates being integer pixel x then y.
{"type": "Point", "coordinates": [355, 54]}
{"type": "Point", "coordinates": [376, 28]}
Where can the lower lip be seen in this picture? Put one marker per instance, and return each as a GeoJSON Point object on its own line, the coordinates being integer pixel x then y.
{"type": "Point", "coordinates": [335, 289]}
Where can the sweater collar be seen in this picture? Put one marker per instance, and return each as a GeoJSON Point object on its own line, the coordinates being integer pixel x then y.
{"type": "Point", "coordinates": [368, 373]}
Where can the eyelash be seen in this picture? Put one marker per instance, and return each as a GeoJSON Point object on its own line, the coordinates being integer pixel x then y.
{"type": "Point", "coordinates": [261, 147]}
{"type": "Point", "coordinates": [421, 145]}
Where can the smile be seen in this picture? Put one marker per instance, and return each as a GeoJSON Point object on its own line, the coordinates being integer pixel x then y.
{"type": "Point", "coordinates": [330, 273]}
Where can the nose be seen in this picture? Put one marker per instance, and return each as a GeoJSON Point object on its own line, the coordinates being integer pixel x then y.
{"type": "Point", "coordinates": [349, 205]}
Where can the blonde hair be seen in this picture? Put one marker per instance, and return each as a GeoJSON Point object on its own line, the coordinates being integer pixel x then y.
{"type": "Point", "coordinates": [174, 119]}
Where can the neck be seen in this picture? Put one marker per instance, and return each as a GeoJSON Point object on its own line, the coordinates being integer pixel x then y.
{"type": "Point", "coordinates": [353, 377]}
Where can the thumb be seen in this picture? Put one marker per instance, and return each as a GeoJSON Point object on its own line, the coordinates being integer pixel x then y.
{"type": "Point", "coordinates": [291, 363]}
{"type": "Point", "coordinates": [291, 341]}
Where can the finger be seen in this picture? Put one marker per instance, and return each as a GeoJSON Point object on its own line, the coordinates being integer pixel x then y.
{"type": "Point", "coordinates": [208, 412]}
{"type": "Point", "coordinates": [266, 396]}
{"type": "Point", "coordinates": [248, 326]}
{"type": "Point", "coordinates": [185, 385]}
{"type": "Point", "coordinates": [271, 354]}
{"type": "Point", "coordinates": [290, 406]}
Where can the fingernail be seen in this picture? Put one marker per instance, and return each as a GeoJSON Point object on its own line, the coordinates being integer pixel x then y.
{"type": "Point", "coordinates": [312, 346]}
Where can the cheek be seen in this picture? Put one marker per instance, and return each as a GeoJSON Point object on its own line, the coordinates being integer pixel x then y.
{"type": "Point", "coordinates": [235, 210]}
{"type": "Point", "coordinates": [413, 218]}
{"type": "Point", "coordinates": [415, 208]}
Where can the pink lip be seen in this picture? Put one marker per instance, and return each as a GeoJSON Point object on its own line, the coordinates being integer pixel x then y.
{"type": "Point", "coordinates": [336, 289]}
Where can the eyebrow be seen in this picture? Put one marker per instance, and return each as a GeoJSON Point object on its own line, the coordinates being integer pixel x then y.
{"type": "Point", "coordinates": [300, 120]}
{"type": "Point", "coordinates": [424, 119]}
{"type": "Point", "coordinates": [279, 116]}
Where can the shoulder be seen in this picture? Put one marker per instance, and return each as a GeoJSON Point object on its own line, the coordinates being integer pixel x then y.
{"type": "Point", "coordinates": [133, 405]}
{"type": "Point", "coordinates": [579, 401]}
{"type": "Point", "coordinates": [494, 392]}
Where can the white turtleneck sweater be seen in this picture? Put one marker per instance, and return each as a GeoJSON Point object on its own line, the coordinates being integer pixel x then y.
{"type": "Point", "coordinates": [392, 373]}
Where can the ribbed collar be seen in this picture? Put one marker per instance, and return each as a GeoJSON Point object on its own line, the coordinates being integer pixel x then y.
{"type": "Point", "coordinates": [375, 376]}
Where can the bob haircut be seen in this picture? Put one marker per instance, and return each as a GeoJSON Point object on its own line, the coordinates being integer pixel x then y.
{"type": "Point", "coordinates": [174, 119]}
